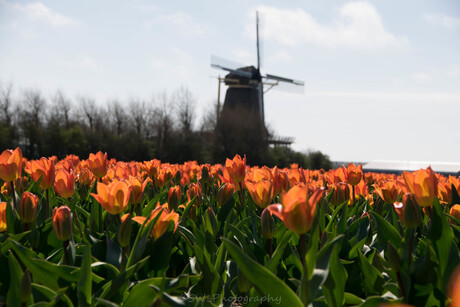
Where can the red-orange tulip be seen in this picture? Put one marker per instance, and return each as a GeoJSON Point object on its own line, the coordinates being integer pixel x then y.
{"type": "Point", "coordinates": [43, 168]}
{"type": "Point", "coordinates": [408, 211]}
{"type": "Point", "coordinates": [261, 192]}
{"type": "Point", "coordinates": [62, 223]}
{"type": "Point", "coordinates": [137, 188]}
{"type": "Point", "coordinates": [423, 184]}
{"type": "Point", "coordinates": [445, 192]}
{"type": "Point", "coordinates": [297, 208]}
{"type": "Point", "coordinates": [28, 207]}
{"type": "Point", "coordinates": [353, 173]}
{"type": "Point", "coordinates": [341, 193]}
{"type": "Point", "coordinates": [174, 196]}
{"type": "Point", "coordinates": [163, 222]}
{"type": "Point", "coordinates": [64, 183]}
{"type": "Point", "coordinates": [10, 164]}
{"type": "Point", "coordinates": [113, 197]}
{"type": "Point", "coordinates": [3, 225]}
{"type": "Point", "coordinates": [98, 164]}
{"type": "Point", "coordinates": [225, 192]}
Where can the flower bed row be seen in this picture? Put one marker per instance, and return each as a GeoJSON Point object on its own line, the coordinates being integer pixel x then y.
{"type": "Point", "coordinates": [110, 233]}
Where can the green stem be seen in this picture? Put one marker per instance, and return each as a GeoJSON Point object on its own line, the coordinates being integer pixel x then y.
{"type": "Point", "coordinates": [65, 245]}
{"type": "Point", "coordinates": [47, 204]}
{"type": "Point", "coordinates": [353, 192]}
{"type": "Point", "coordinates": [270, 247]}
{"type": "Point", "coordinates": [15, 205]}
{"type": "Point", "coordinates": [411, 243]}
{"type": "Point", "coordinates": [241, 194]}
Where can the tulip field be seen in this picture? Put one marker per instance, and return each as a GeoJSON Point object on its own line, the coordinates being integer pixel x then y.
{"type": "Point", "coordinates": [93, 231]}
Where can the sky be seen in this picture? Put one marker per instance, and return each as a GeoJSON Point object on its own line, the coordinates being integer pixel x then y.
{"type": "Point", "coordinates": [382, 78]}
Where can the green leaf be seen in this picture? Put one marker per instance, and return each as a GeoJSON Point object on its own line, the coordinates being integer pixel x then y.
{"type": "Point", "coordinates": [334, 215]}
{"type": "Point", "coordinates": [48, 273]}
{"type": "Point", "coordinates": [13, 298]}
{"type": "Point", "coordinates": [321, 272]}
{"type": "Point", "coordinates": [442, 236]}
{"type": "Point", "coordinates": [278, 254]}
{"type": "Point", "coordinates": [386, 232]}
{"type": "Point", "coordinates": [334, 287]}
{"type": "Point", "coordinates": [373, 280]}
{"type": "Point", "coordinates": [351, 299]}
{"type": "Point", "coordinates": [225, 210]}
{"type": "Point", "coordinates": [261, 278]}
{"type": "Point", "coordinates": [85, 282]}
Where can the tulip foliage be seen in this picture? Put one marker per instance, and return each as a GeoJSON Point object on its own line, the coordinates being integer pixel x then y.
{"type": "Point", "coordinates": [101, 232]}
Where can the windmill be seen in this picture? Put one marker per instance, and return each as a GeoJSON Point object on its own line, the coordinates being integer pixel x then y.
{"type": "Point", "coordinates": [245, 91]}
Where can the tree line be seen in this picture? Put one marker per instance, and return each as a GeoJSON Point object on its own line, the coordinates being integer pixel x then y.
{"type": "Point", "coordinates": [164, 127]}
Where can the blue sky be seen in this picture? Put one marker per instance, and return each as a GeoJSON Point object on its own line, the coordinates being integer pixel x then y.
{"type": "Point", "coordinates": [382, 78]}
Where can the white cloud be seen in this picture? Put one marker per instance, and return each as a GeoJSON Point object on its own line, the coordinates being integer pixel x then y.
{"type": "Point", "coordinates": [242, 55]}
{"type": "Point", "coordinates": [157, 63]}
{"type": "Point", "coordinates": [183, 22]}
{"type": "Point", "coordinates": [181, 55]}
{"type": "Point", "coordinates": [442, 20]}
{"type": "Point", "coordinates": [38, 11]}
{"type": "Point", "coordinates": [358, 25]}
{"type": "Point", "coordinates": [421, 77]}
{"type": "Point", "coordinates": [453, 71]}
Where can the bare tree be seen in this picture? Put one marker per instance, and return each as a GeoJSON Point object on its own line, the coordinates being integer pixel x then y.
{"type": "Point", "coordinates": [185, 106]}
{"type": "Point", "coordinates": [209, 120]}
{"type": "Point", "coordinates": [162, 118]}
{"type": "Point", "coordinates": [117, 115]}
{"type": "Point", "coordinates": [35, 106]}
{"type": "Point", "coordinates": [89, 108]}
{"type": "Point", "coordinates": [60, 110]}
{"type": "Point", "coordinates": [6, 103]}
{"type": "Point", "coordinates": [138, 115]}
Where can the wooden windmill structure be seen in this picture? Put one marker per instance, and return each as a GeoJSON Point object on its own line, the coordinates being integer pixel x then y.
{"type": "Point", "coordinates": [245, 93]}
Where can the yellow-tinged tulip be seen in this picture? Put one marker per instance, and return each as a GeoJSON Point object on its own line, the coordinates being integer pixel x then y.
{"type": "Point", "coordinates": [423, 184]}
{"type": "Point", "coordinates": [10, 164]}
{"type": "Point", "coordinates": [297, 208]}
{"type": "Point", "coordinates": [3, 225]}
{"type": "Point", "coordinates": [64, 183]}
{"type": "Point", "coordinates": [445, 192]}
{"type": "Point", "coordinates": [137, 188]}
{"type": "Point", "coordinates": [113, 197]}
{"type": "Point", "coordinates": [28, 207]}
{"type": "Point", "coordinates": [98, 164]}
{"type": "Point", "coordinates": [62, 223]}
{"type": "Point", "coordinates": [43, 168]}
{"type": "Point", "coordinates": [261, 192]}
{"type": "Point", "coordinates": [165, 219]}
{"type": "Point", "coordinates": [388, 191]}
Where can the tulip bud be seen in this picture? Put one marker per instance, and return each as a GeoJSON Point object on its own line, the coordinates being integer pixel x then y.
{"type": "Point", "coordinates": [267, 224]}
{"type": "Point", "coordinates": [62, 223]}
{"type": "Point", "coordinates": [174, 195]}
{"type": "Point", "coordinates": [212, 220]}
{"type": "Point", "coordinates": [3, 225]}
{"type": "Point", "coordinates": [393, 257]}
{"type": "Point", "coordinates": [28, 207]}
{"type": "Point", "coordinates": [455, 212]}
{"type": "Point", "coordinates": [225, 192]}
{"type": "Point", "coordinates": [124, 233]}
{"type": "Point", "coordinates": [243, 283]}
{"type": "Point", "coordinates": [409, 211]}
{"type": "Point", "coordinates": [25, 288]}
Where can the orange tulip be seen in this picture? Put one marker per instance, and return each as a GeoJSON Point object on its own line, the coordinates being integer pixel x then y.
{"type": "Point", "coordinates": [163, 222]}
{"type": "Point", "coordinates": [28, 207]}
{"type": "Point", "coordinates": [445, 192]}
{"type": "Point", "coordinates": [234, 170]}
{"type": "Point", "coordinates": [137, 188]}
{"type": "Point", "coordinates": [62, 223]}
{"type": "Point", "coordinates": [10, 164]}
{"type": "Point", "coordinates": [353, 173]}
{"type": "Point", "coordinates": [113, 197]}
{"type": "Point", "coordinates": [455, 212]}
{"type": "Point", "coordinates": [64, 183]}
{"type": "Point", "coordinates": [341, 193]}
{"type": "Point", "coordinates": [297, 208]}
{"type": "Point", "coordinates": [261, 192]}
{"type": "Point", "coordinates": [388, 191]}
{"type": "Point", "coordinates": [124, 233]}
{"type": "Point", "coordinates": [423, 184]}
{"type": "Point", "coordinates": [43, 168]}
{"type": "Point", "coordinates": [3, 225]}
{"type": "Point", "coordinates": [98, 164]}
{"type": "Point", "coordinates": [194, 189]}
{"type": "Point", "coordinates": [454, 288]}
